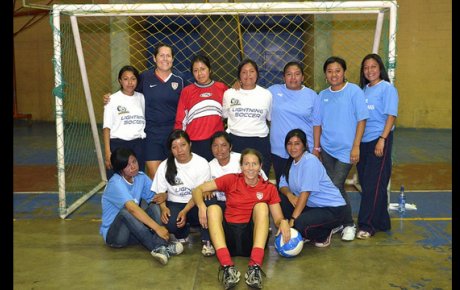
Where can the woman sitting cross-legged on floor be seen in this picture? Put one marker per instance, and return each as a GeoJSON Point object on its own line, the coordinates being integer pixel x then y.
{"type": "Point", "coordinates": [174, 181]}
{"type": "Point", "coordinates": [127, 219]}
{"type": "Point", "coordinates": [308, 196]}
{"type": "Point", "coordinates": [242, 230]}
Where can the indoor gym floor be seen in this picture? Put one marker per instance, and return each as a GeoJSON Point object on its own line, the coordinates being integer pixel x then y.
{"type": "Point", "coordinates": [51, 253]}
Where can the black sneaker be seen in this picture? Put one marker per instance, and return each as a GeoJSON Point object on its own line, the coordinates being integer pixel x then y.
{"type": "Point", "coordinates": [254, 276]}
{"type": "Point", "coordinates": [230, 277]}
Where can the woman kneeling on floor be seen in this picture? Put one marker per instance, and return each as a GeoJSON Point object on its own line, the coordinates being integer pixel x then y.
{"type": "Point", "coordinates": [308, 196]}
{"type": "Point", "coordinates": [242, 230]}
{"type": "Point", "coordinates": [127, 219]}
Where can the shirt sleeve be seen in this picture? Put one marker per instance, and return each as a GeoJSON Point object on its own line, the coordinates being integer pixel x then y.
{"type": "Point", "coordinates": [181, 111]}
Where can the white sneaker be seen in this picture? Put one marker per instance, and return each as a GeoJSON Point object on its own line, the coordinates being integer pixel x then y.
{"type": "Point", "coordinates": [348, 233]}
{"type": "Point", "coordinates": [208, 249]}
{"type": "Point", "coordinates": [184, 240]}
{"type": "Point", "coordinates": [160, 254]}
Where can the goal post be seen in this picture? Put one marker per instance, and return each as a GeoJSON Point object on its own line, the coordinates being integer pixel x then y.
{"type": "Point", "coordinates": [92, 42]}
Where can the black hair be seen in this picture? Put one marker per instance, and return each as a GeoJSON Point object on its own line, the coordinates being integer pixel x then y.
{"type": "Point", "coordinates": [303, 137]}
{"type": "Point", "coordinates": [171, 169]}
{"type": "Point", "coordinates": [293, 63]}
{"type": "Point", "coordinates": [252, 151]}
{"type": "Point", "coordinates": [221, 134]}
{"type": "Point", "coordinates": [120, 158]}
{"type": "Point", "coordinates": [336, 59]}
{"type": "Point", "coordinates": [246, 61]}
{"type": "Point", "coordinates": [200, 58]}
{"type": "Point", "coordinates": [128, 68]}
{"type": "Point", "coordinates": [383, 71]}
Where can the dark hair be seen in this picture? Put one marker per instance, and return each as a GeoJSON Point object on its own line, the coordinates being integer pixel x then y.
{"type": "Point", "coordinates": [293, 63]}
{"type": "Point", "coordinates": [128, 68]}
{"type": "Point", "coordinates": [221, 134]}
{"type": "Point", "coordinates": [383, 71]}
{"type": "Point", "coordinates": [246, 61]}
{"type": "Point", "coordinates": [252, 151]}
{"type": "Point", "coordinates": [200, 58]}
{"type": "Point", "coordinates": [336, 59]}
{"type": "Point", "coordinates": [171, 169]}
{"type": "Point", "coordinates": [156, 50]}
{"type": "Point", "coordinates": [303, 137]}
{"type": "Point", "coordinates": [120, 158]}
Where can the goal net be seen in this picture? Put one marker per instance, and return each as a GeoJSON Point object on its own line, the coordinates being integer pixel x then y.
{"type": "Point", "coordinates": [92, 42]}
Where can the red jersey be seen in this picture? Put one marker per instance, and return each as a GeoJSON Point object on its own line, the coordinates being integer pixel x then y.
{"type": "Point", "coordinates": [199, 111]}
{"type": "Point", "coordinates": [241, 197]}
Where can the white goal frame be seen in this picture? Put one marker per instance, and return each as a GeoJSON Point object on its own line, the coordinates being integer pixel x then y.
{"type": "Point", "coordinates": [379, 8]}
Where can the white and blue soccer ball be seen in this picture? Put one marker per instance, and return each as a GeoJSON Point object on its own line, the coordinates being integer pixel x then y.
{"type": "Point", "coordinates": [292, 248]}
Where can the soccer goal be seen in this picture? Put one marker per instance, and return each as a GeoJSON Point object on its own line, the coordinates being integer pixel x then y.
{"type": "Point", "coordinates": [92, 42]}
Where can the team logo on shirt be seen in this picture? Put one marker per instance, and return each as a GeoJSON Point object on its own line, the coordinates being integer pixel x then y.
{"type": "Point", "coordinates": [235, 102]}
{"type": "Point", "coordinates": [260, 195]}
{"type": "Point", "coordinates": [174, 85]}
{"type": "Point", "coordinates": [122, 110]}
{"type": "Point", "coordinates": [178, 181]}
{"type": "Point", "coordinates": [206, 95]}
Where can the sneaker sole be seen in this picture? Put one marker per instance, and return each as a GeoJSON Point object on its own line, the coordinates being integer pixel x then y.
{"type": "Point", "coordinates": [230, 286]}
{"type": "Point", "coordinates": [258, 286]}
{"type": "Point", "coordinates": [179, 249]}
{"type": "Point", "coordinates": [161, 258]}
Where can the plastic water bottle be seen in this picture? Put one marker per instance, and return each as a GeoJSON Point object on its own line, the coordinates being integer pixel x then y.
{"type": "Point", "coordinates": [402, 200]}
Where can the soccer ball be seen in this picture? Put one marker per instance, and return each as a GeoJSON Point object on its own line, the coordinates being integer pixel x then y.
{"type": "Point", "coordinates": [292, 248]}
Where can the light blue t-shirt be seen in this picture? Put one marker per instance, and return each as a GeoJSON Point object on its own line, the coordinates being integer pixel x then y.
{"type": "Point", "coordinates": [340, 113]}
{"type": "Point", "coordinates": [292, 109]}
{"type": "Point", "coordinates": [310, 175]}
{"type": "Point", "coordinates": [382, 100]}
{"type": "Point", "coordinates": [117, 192]}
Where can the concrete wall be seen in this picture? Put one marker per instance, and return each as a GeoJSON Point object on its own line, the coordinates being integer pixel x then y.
{"type": "Point", "coordinates": [423, 70]}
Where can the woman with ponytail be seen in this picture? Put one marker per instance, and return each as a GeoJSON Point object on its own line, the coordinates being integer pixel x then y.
{"type": "Point", "coordinates": [175, 178]}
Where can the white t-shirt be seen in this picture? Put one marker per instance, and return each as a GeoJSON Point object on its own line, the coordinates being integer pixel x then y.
{"type": "Point", "coordinates": [125, 116]}
{"type": "Point", "coordinates": [247, 111]}
{"type": "Point", "coordinates": [189, 175]}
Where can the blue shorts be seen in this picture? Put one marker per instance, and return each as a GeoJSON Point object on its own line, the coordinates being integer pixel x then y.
{"type": "Point", "coordinates": [155, 144]}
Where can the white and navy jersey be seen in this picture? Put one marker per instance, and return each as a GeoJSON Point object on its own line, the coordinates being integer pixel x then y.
{"type": "Point", "coordinates": [124, 116]}
{"type": "Point", "coordinates": [340, 113]}
{"type": "Point", "coordinates": [292, 109]}
{"type": "Point", "coordinates": [161, 97]}
{"type": "Point", "coordinates": [309, 174]}
{"type": "Point", "coordinates": [247, 111]}
{"type": "Point", "coordinates": [382, 101]}
{"type": "Point", "coordinates": [189, 176]}
{"type": "Point", "coordinates": [233, 166]}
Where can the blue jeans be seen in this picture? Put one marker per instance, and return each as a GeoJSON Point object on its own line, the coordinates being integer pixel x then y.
{"type": "Point", "coordinates": [127, 230]}
{"type": "Point", "coordinates": [338, 172]}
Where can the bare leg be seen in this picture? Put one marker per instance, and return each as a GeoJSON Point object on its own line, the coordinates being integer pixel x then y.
{"type": "Point", "coordinates": [261, 222]}
{"type": "Point", "coordinates": [216, 230]}
{"type": "Point", "coordinates": [151, 167]}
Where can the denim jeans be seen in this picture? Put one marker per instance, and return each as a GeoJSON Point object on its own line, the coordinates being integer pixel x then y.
{"type": "Point", "coordinates": [127, 230]}
{"type": "Point", "coordinates": [338, 172]}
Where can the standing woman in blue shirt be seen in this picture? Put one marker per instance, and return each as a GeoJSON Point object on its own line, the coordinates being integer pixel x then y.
{"type": "Point", "coordinates": [343, 114]}
{"type": "Point", "coordinates": [293, 106]}
{"type": "Point", "coordinates": [374, 167]}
